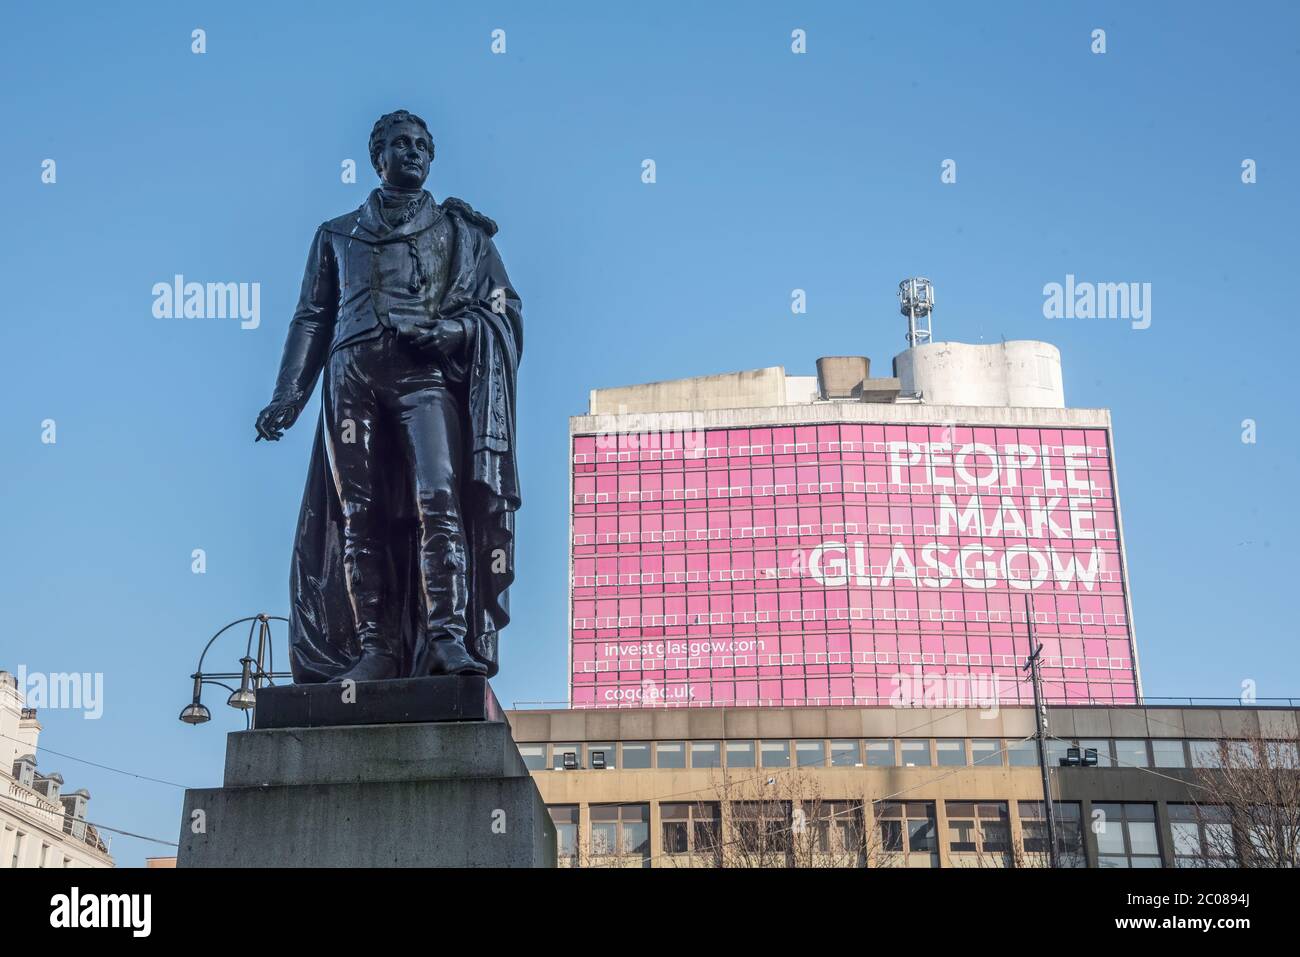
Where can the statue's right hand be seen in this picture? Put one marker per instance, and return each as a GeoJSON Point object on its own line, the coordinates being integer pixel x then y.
{"type": "Point", "coordinates": [275, 418]}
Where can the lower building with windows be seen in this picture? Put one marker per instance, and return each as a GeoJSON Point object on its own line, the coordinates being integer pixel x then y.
{"type": "Point", "coordinates": [40, 825]}
{"type": "Point", "coordinates": [1154, 786]}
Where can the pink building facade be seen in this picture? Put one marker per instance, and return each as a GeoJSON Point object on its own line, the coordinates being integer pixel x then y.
{"type": "Point", "coordinates": [885, 555]}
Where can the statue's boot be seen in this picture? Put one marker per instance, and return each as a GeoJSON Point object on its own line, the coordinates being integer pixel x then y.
{"type": "Point", "coordinates": [365, 570]}
{"type": "Point", "coordinates": [448, 656]}
{"type": "Point", "coordinates": [373, 665]}
{"type": "Point", "coordinates": [443, 567]}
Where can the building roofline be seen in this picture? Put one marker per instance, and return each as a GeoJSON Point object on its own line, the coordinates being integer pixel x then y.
{"type": "Point", "coordinates": [825, 413]}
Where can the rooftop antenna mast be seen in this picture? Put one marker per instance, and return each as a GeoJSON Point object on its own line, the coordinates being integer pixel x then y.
{"type": "Point", "coordinates": [916, 301]}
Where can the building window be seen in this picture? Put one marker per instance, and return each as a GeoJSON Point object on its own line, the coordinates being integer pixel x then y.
{"type": "Point", "coordinates": [776, 754]}
{"type": "Point", "coordinates": [907, 833]}
{"type": "Point", "coordinates": [810, 754]}
{"type": "Point", "coordinates": [706, 829]}
{"type": "Point", "coordinates": [950, 752]}
{"type": "Point", "coordinates": [565, 819]}
{"type": "Point", "coordinates": [620, 830]}
{"type": "Point", "coordinates": [845, 754]}
{"type": "Point", "coordinates": [604, 830]}
{"type": "Point", "coordinates": [1268, 834]}
{"type": "Point", "coordinates": [706, 754]}
{"type": "Point", "coordinates": [740, 754]}
{"type": "Point", "coordinates": [676, 822]}
{"type": "Point", "coordinates": [603, 752]}
{"type": "Point", "coordinates": [979, 833]}
{"type": "Point", "coordinates": [670, 754]}
{"type": "Point", "coordinates": [1205, 754]}
{"type": "Point", "coordinates": [1202, 836]}
{"type": "Point", "coordinates": [635, 835]}
{"type": "Point", "coordinates": [19, 837]}
{"type": "Point", "coordinates": [1131, 753]}
{"type": "Point", "coordinates": [915, 753]}
{"type": "Point", "coordinates": [1058, 752]}
{"type": "Point", "coordinates": [1126, 835]}
{"type": "Point", "coordinates": [558, 751]}
{"type": "Point", "coordinates": [890, 822]}
{"type": "Point", "coordinates": [986, 751]}
{"type": "Point", "coordinates": [1022, 754]}
{"type": "Point", "coordinates": [847, 832]}
{"type": "Point", "coordinates": [534, 756]}
{"type": "Point", "coordinates": [880, 754]}
{"type": "Point", "coordinates": [1069, 833]}
{"type": "Point", "coordinates": [693, 830]}
{"type": "Point", "coordinates": [1240, 754]}
{"type": "Point", "coordinates": [636, 755]}
{"type": "Point", "coordinates": [1167, 753]}
{"type": "Point", "coordinates": [830, 834]}
{"type": "Point", "coordinates": [1281, 755]}
{"type": "Point", "coordinates": [762, 831]}
{"type": "Point", "coordinates": [1102, 747]}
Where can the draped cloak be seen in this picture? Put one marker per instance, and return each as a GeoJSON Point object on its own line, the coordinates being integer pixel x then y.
{"type": "Point", "coordinates": [322, 634]}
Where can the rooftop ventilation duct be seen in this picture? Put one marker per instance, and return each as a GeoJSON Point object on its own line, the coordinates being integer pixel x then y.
{"type": "Point", "coordinates": [841, 377]}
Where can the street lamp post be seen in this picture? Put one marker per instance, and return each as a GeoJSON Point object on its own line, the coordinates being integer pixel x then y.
{"type": "Point", "coordinates": [1040, 723]}
{"type": "Point", "coordinates": [255, 671]}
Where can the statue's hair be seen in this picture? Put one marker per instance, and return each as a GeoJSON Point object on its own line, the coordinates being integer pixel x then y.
{"type": "Point", "coordinates": [379, 135]}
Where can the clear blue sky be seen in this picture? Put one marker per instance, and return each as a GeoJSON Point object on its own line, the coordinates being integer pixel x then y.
{"type": "Point", "coordinates": [775, 172]}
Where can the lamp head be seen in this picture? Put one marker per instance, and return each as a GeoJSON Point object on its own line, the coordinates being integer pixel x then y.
{"type": "Point", "coordinates": [196, 713]}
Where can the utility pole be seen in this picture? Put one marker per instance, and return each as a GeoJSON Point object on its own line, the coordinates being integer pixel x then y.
{"type": "Point", "coordinates": [1040, 723]}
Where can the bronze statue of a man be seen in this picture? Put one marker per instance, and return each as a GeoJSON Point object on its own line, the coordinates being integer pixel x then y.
{"type": "Point", "coordinates": [405, 542]}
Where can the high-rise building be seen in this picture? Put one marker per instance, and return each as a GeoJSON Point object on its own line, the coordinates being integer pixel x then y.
{"type": "Point", "coordinates": [801, 608]}
{"type": "Point", "coordinates": [759, 538]}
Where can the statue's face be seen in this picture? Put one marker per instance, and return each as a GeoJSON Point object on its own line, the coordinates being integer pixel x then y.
{"type": "Point", "coordinates": [404, 160]}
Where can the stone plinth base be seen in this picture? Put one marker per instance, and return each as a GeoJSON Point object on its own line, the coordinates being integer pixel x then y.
{"type": "Point", "coordinates": [398, 701]}
{"type": "Point", "coordinates": [452, 794]}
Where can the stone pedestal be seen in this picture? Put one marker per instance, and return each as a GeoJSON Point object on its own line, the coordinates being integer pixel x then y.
{"type": "Point", "coordinates": [406, 792]}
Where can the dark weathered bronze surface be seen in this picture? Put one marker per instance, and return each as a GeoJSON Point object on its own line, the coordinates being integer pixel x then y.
{"type": "Point", "coordinates": [405, 542]}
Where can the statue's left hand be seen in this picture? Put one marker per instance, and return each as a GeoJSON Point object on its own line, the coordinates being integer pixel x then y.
{"type": "Point", "coordinates": [445, 335]}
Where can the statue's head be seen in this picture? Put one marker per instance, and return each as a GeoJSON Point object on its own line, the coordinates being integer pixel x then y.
{"type": "Point", "coordinates": [401, 149]}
